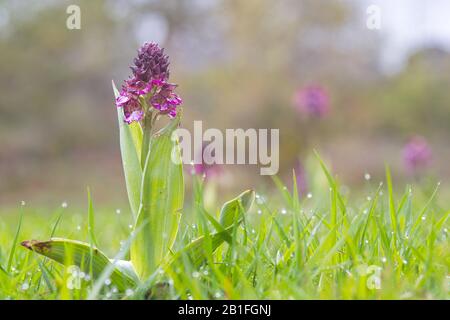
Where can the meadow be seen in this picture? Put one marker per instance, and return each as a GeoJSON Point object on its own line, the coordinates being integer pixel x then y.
{"type": "Point", "coordinates": [329, 244]}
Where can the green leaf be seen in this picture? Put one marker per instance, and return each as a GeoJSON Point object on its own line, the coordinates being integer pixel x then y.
{"type": "Point", "coordinates": [63, 250]}
{"type": "Point", "coordinates": [91, 220]}
{"type": "Point", "coordinates": [231, 216]}
{"type": "Point", "coordinates": [241, 203]}
{"type": "Point", "coordinates": [162, 197]}
{"type": "Point", "coordinates": [130, 148]}
{"type": "Point", "coordinates": [14, 243]}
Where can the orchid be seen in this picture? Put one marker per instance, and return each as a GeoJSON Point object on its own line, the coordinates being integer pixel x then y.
{"type": "Point", "coordinates": [155, 188]}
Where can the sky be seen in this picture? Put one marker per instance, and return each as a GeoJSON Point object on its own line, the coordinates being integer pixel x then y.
{"type": "Point", "coordinates": [407, 25]}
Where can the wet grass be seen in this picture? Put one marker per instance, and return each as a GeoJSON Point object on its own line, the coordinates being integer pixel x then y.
{"type": "Point", "coordinates": [331, 244]}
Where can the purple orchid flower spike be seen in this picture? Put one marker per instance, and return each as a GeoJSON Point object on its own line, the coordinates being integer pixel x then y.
{"type": "Point", "coordinates": [147, 90]}
{"type": "Point", "coordinates": [416, 154]}
{"type": "Point", "coordinates": [312, 100]}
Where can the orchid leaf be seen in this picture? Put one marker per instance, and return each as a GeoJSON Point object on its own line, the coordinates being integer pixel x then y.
{"type": "Point", "coordinates": [231, 216]}
{"type": "Point", "coordinates": [130, 148]}
{"type": "Point", "coordinates": [88, 259]}
{"type": "Point", "coordinates": [162, 197]}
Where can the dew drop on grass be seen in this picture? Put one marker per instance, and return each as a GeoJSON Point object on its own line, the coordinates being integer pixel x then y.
{"type": "Point", "coordinates": [369, 198]}
{"type": "Point", "coordinates": [367, 241]}
{"type": "Point", "coordinates": [283, 211]}
{"type": "Point", "coordinates": [259, 199]}
{"type": "Point", "coordinates": [108, 282]}
{"type": "Point", "coordinates": [64, 204]}
{"type": "Point", "coordinates": [367, 176]}
{"type": "Point", "coordinates": [78, 227]}
{"type": "Point", "coordinates": [130, 226]}
{"type": "Point", "coordinates": [117, 211]}
{"type": "Point", "coordinates": [129, 292]}
{"type": "Point", "coordinates": [424, 218]}
{"type": "Point", "coordinates": [108, 294]}
{"type": "Point", "coordinates": [445, 230]}
{"type": "Point", "coordinates": [259, 212]}
{"type": "Point", "coordinates": [24, 286]}
{"type": "Point", "coordinates": [22, 203]}
{"type": "Point", "coordinates": [309, 195]}
{"type": "Point", "coordinates": [195, 274]}
{"type": "Point", "coordinates": [383, 259]}
{"type": "Point", "coordinates": [218, 294]}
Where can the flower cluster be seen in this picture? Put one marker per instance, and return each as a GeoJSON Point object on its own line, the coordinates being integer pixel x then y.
{"type": "Point", "coordinates": [312, 100]}
{"type": "Point", "coordinates": [148, 88]}
{"type": "Point", "coordinates": [416, 154]}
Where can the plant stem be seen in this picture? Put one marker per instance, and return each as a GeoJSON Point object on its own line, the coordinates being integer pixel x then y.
{"type": "Point", "coordinates": [147, 130]}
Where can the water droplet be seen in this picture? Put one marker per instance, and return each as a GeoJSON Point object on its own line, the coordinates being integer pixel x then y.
{"type": "Point", "coordinates": [22, 203]}
{"type": "Point", "coordinates": [283, 211]}
{"type": "Point", "coordinates": [367, 241]}
{"type": "Point", "coordinates": [405, 262]}
{"type": "Point", "coordinates": [445, 230]}
{"type": "Point", "coordinates": [383, 259]}
{"type": "Point", "coordinates": [218, 294]}
{"type": "Point", "coordinates": [367, 176]}
{"type": "Point", "coordinates": [64, 204]}
{"type": "Point", "coordinates": [369, 198]}
{"type": "Point", "coordinates": [195, 274]}
{"type": "Point", "coordinates": [205, 272]}
{"type": "Point", "coordinates": [365, 211]}
{"type": "Point", "coordinates": [108, 282]}
{"type": "Point", "coordinates": [108, 294]}
{"type": "Point", "coordinates": [118, 211]}
{"type": "Point", "coordinates": [87, 277]}
{"type": "Point", "coordinates": [129, 292]}
{"type": "Point", "coordinates": [130, 226]}
{"type": "Point", "coordinates": [424, 218]}
{"type": "Point", "coordinates": [78, 227]}
{"type": "Point", "coordinates": [260, 199]}
{"type": "Point", "coordinates": [309, 195]}
{"type": "Point", "coordinates": [259, 212]}
{"type": "Point", "coordinates": [24, 286]}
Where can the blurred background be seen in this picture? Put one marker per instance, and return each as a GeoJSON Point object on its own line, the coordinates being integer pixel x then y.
{"type": "Point", "coordinates": [239, 64]}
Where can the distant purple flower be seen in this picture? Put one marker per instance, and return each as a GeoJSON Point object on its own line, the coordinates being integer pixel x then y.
{"type": "Point", "coordinates": [204, 168]}
{"type": "Point", "coordinates": [416, 154]}
{"type": "Point", "coordinates": [151, 63]}
{"type": "Point", "coordinates": [312, 100]}
{"type": "Point", "coordinates": [149, 84]}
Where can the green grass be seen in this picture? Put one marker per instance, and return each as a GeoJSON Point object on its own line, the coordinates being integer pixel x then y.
{"type": "Point", "coordinates": [334, 244]}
